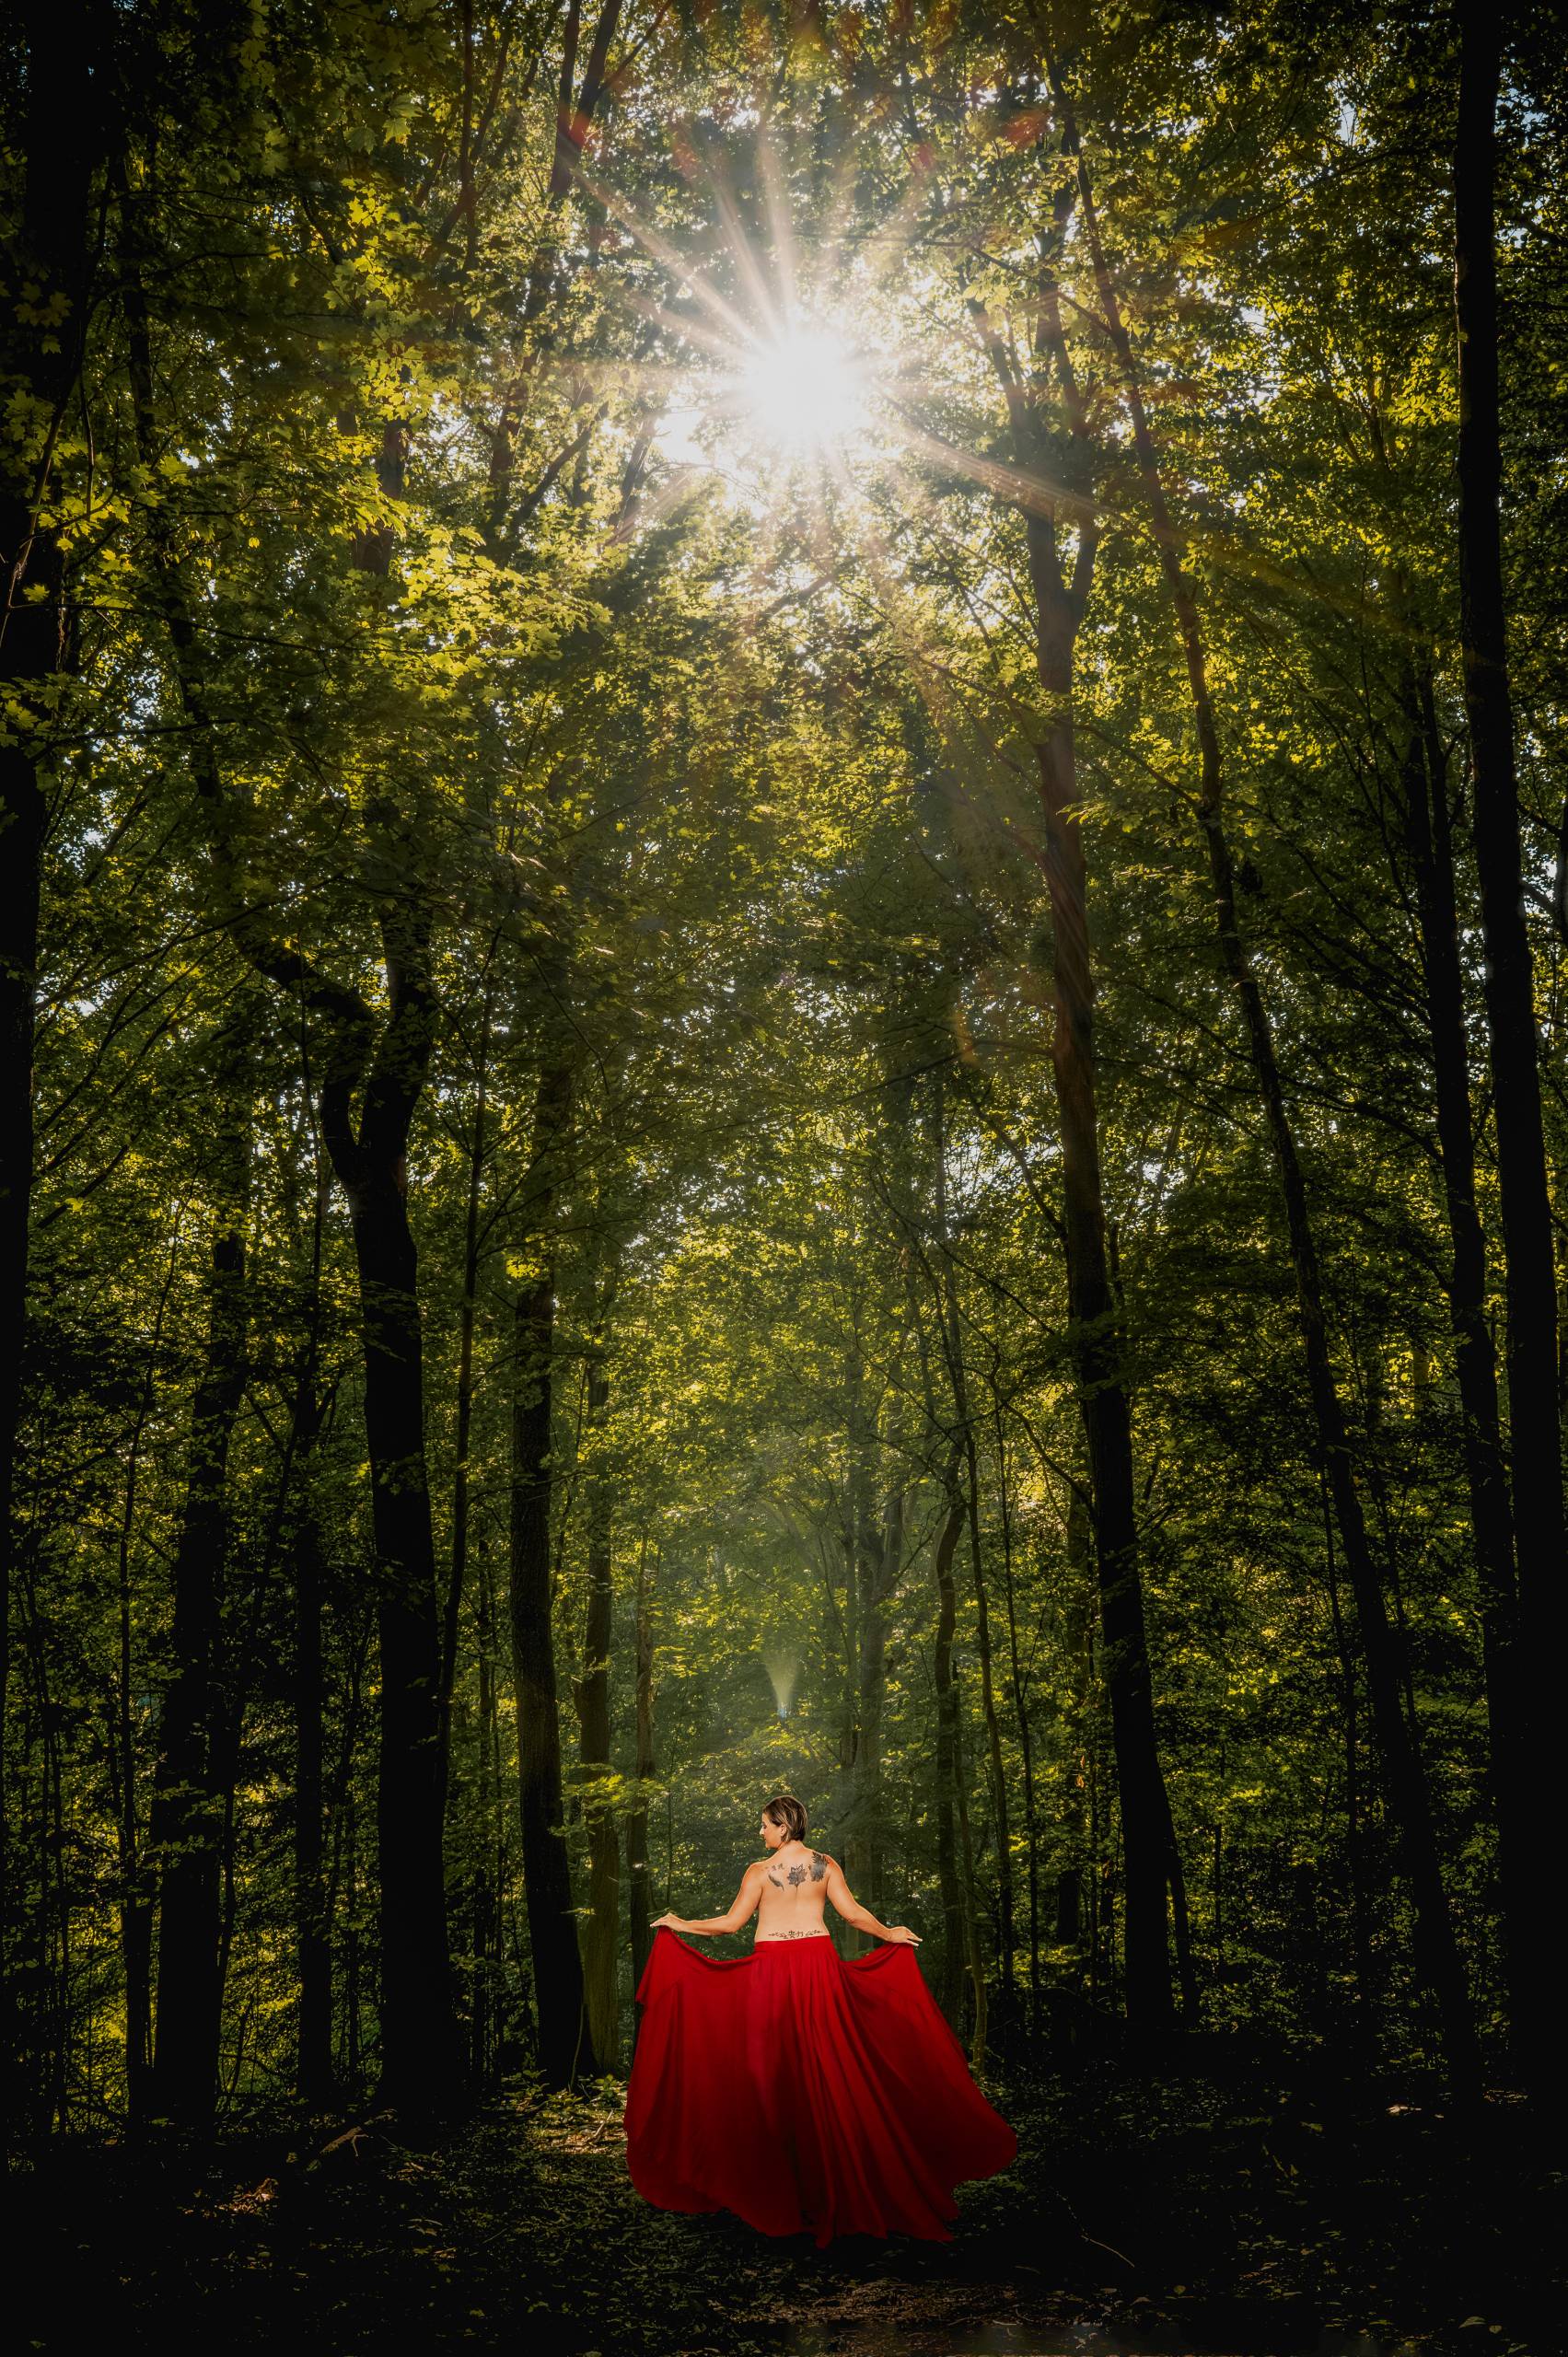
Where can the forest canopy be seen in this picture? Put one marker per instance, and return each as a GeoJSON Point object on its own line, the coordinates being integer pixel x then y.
{"type": "Point", "coordinates": [786, 814]}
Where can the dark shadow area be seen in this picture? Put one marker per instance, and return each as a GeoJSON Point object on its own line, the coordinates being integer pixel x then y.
{"type": "Point", "coordinates": [1249, 2211]}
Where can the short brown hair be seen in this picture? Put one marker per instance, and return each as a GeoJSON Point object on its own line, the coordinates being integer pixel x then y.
{"type": "Point", "coordinates": [785, 1810]}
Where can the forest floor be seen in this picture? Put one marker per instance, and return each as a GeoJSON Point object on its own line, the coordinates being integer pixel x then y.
{"type": "Point", "coordinates": [1255, 2210]}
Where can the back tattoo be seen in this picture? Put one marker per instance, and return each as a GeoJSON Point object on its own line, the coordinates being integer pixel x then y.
{"type": "Point", "coordinates": [793, 1875]}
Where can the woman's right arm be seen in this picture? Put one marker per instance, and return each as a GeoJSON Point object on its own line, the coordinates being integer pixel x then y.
{"type": "Point", "coordinates": [861, 1919]}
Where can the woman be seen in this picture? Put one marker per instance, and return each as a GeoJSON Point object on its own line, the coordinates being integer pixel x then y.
{"type": "Point", "coordinates": [807, 2094]}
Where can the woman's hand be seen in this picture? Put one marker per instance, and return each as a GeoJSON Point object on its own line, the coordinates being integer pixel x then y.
{"type": "Point", "coordinates": [902, 1937]}
{"type": "Point", "coordinates": [669, 1923]}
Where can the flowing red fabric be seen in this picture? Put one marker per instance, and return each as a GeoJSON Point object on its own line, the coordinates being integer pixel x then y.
{"type": "Point", "coordinates": [808, 2092]}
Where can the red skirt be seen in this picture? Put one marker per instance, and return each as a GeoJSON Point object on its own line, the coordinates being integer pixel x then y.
{"type": "Point", "coordinates": [807, 2094]}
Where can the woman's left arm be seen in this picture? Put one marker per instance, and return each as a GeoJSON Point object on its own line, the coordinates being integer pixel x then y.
{"type": "Point", "coordinates": [860, 1918]}
{"type": "Point", "coordinates": [745, 1907]}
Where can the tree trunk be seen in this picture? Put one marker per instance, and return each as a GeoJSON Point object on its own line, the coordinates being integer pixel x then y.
{"type": "Point", "coordinates": [880, 1546]}
{"type": "Point", "coordinates": [420, 2051]}
{"type": "Point", "coordinates": [1077, 1625]}
{"type": "Point", "coordinates": [1535, 1434]}
{"type": "Point", "coordinates": [970, 1897]}
{"type": "Point", "coordinates": [314, 2065]}
{"type": "Point", "coordinates": [484, 1878]}
{"type": "Point", "coordinates": [601, 1928]}
{"type": "Point", "coordinates": [1355, 1863]}
{"type": "Point", "coordinates": [421, 2055]}
{"type": "Point", "coordinates": [1006, 1935]}
{"type": "Point", "coordinates": [136, 1897]}
{"type": "Point", "coordinates": [187, 1814]}
{"type": "Point", "coordinates": [452, 1617]}
{"type": "Point", "coordinates": [879, 1551]}
{"type": "Point", "coordinates": [1097, 1354]}
{"type": "Point", "coordinates": [1020, 1713]}
{"type": "Point", "coordinates": [1061, 596]}
{"type": "Point", "coordinates": [313, 2058]}
{"type": "Point", "coordinates": [638, 1894]}
{"type": "Point", "coordinates": [353, 2069]}
{"type": "Point", "coordinates": [1525, 1937]}
{"type": "Point", "coordinates": [955, 1859]}
{"type": "Point", "coordinates": [564, 2044]}
{"type": "Point", "coordinates": [947, 1311]}
{"type": "Point", "coordinates": [955, 1936]}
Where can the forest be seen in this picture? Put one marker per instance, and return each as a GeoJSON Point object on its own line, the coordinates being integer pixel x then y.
{"type": "Point", "coordinates": [783, 939]}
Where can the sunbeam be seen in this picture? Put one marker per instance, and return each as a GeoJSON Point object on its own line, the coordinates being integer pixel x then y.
{"type": "Point", "coordinates": [803, 391]}
{"type": "Point", "coordinates": [783, 1671]}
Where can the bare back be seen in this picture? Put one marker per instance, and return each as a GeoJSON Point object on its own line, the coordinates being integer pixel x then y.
{"type": "Point", "coordinates": [794, 1893]}
{"type": "Point", "coordinates": [788, 1891]}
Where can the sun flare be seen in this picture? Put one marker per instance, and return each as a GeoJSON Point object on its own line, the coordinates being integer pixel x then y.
{"type": "Point", "coordinates": [803, 390]}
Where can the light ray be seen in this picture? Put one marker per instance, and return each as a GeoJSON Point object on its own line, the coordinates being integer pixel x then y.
{"type": "Point", "coordinates": [783, 1670]}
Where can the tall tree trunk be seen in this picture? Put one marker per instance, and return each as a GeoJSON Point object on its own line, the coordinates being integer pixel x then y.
{"type": "Point", "coordinates": [1082, 1873]}
{"type": "Point", "coordinates": [961, 1946]}
{"type": "Point", "coordinates": [1534, 1430]}
{"type": "Point", "coordinates": [948, 1307]}
{"type": "Point", "coordinates": [353, 2069]}
{"type": "Point", "coordinates": [420, 2052]}
{"type": "Point", "coordinates": [880, 1545]}
{"type": "Point", "coordinates": [879, 1553]}
{"type": "Point", "coordinates": [1061, 593]}
{"type": "Point", "coordinates": [487, 1880]}
{"type": "Point", "coordinates": [861, 1644]}
{"type": "Point", "coordinates": [187, 1814]}
{"type": "Point", "coordinates": [313, 2056]}
{"type": "Point", "coordinates": [638, 1894]}
{"type": "Point", "coordinates": [955, 1928]}
{"type": "Point", "coordinates": [1006, 1938]}
{"type": "Point", "coordinates": [1356, 1863]}
{"type": "Point", "coordinates": [1438, 1952]}
{"type": "Point", "coordinates": [1526, 1935]}
{"type": "Point", "coordinates": [136, 1897]}
{"type": "Point", "coordinates": [564, 2044]}
{"type": "Point", "coordinates": [135, 1909]}
{"type": "Point", "coordinates": [314, 2060]}
{"type": "Point", "coordinates": [462, 1438]}
{"type": "Point", "coordinates": [978, 2042]}
{"type": "Point", "coordinates": [1097, 1350]}
{"type": "Point", "coordinates": [601, 1928]}
{"type": "Point", "coordinates": [1020, 1713]}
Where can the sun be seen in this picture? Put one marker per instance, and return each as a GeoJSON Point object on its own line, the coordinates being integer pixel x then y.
{"type": "Point", "coordinates": [802, 391]}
